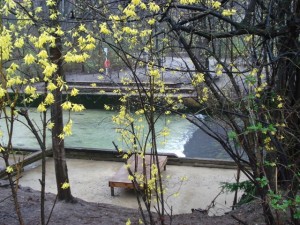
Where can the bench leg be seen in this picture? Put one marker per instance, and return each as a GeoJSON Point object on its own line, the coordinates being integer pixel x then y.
{"type": "Point", "coordinates": [112, 191]}
{"type": "Point", "coordinates": [165, 167]}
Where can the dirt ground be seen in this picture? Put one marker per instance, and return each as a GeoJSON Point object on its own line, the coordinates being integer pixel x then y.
{"type": "Point", "coordinates": [83, 212]}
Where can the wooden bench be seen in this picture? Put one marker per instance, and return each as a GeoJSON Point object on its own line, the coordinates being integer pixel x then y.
{"type": "Point", "coordinates": [120, 179]}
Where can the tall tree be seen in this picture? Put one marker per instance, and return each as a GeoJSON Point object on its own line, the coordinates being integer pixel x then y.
{"type": "Point", "coordinates": [250, 87]}
{"type": "Point", "coordinates": [37, 56]}
{"type": "Point", "coordinates": [59, 154]}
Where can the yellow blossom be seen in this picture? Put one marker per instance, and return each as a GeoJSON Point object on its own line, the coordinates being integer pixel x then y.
{"type": "Point", "coordinates": [198, 78]}
{"type": "Point", "coordinates": [267, 140]}
{"type": "Point", "coordinates": [129, 30]}
{"type": "Point", "coordinates": [139, 112]}
{"type": "Point", "coordinates": [114, 17]}
{"type": "Point", "coordinates": [151, 21]}
{"type": "Point", "coordinates": [219, 73]}
{"type": "Point", "coordinates": [41, 107]}
{"type": "Point", "coordinates": [49, 99]}
{"type": "Point", "coordinates": [219, 69]}
{"type": "Point", "coordinates": [93, 85]}
{"type": "Point", "coordinates": [74, 92]}
{"type": "Point", "coordinates": [50, 3]}
{"type": "Point", "coordinates": [143, 6]}
{"type": "Point", "coordinates": [32, 80]}
{"type": "Point", "coordinates": [44, 38]}
{"type": "Point", "coordinates": [51, 86]}
{"type": "Point", "coordinates": [153, 7]}
{"type": "Point", "coordinates": [68, 44]}
{"type": "Point", "coordinates": [6, 44]}
{"type": "Point", "coordinates": [50, 125]}
{"type": "Point", "coordinates": [82, 28]}
{"type": "Point", "coordinates": [1, 148]}
{"type": "Point", "coordinates": [67, 105]}
{"type": "Point", "coordinates": [68, 128]}
{"type": "Point", "coordinates": [228, 12]}
{"type": "Point", "coordinates": [60, 82]}
{"type": "Point", "coordinates": [165, 131]}
{"type": "Point", "coordinates": [136, 2]}
{"type": "Point", "coordinates": [281, 137]}
{"type": "Point", "coordinates": [104, 29]}
{"type": "Point", "coordinates": [50, 69]}
{"type": "Point", "coordinates": [59, 31]}
{"type": "Point", "coordinates": [43, 54]}
{"type": "Point", "coordinates": [254, 72]}
{"type": "Point", "coordinates": [53, 16]}
{"type": "Point", "coordinates": [29, 59]}
{"type": "Point", "coordinates": [78, 107]}
{"type": "Point", "coordinates": [129, 11]}
{"type": "Point", "coordinates": [154, 73]}
{"type": "Point", "coordinates": [145, 33]}
{"type": "Point", "coordinates": [12, 68]}
{"type": "Point", "coordinates": [280, 105]}
{"type": "Point", "coordinates": [248, 38]}
{"type": "Point", "coordinates": [19, 43]}
{"type": "Point", "coordinates": [216, 4]}
{"type": "Point", "coordinates": [38, 9]}
{"type": "Point", "coordinates": [128, 222]}
{"type": "Point", "coordinates": [2, 92]}
{"type": "Point", "coordinates": [77, 58]}
{"type": "Point", "coordinates": [107, 107]}
{"type": "Point", "coordinates": [65, 185]}
{"type": "Point", "coordinates": [9, 169]}
{"type": "Point", "coordinates": [131, 178]}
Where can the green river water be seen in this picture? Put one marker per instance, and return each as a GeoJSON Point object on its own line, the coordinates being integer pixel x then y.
{"type": "Point", "coordinates": [94, 129]}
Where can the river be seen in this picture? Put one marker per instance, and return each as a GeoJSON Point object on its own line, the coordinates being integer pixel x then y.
{"type": "Point", "coordinates": [93, 128]}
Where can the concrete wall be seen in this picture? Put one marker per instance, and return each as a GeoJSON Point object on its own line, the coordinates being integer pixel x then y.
{"type": "Point", "coordinates": [109, 155]}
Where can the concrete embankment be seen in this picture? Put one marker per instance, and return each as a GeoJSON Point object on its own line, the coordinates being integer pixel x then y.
{"type": "Point", "coordinates": [111, 155]}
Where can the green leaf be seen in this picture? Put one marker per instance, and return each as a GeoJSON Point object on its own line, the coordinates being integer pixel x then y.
{"type": "Point", "coordinates": [262, 181]}
{"type": "Point", "coordinates": [232, 135]}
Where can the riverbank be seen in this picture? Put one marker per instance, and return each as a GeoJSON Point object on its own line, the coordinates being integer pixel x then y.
{"type": "Point", "coordinates": [89, 181]}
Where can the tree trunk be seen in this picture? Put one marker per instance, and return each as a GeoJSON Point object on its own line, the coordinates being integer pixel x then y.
{"type": "Point", "coordinates": [288, 85]}
{"type": "Point", "coordinates": [61, 170]}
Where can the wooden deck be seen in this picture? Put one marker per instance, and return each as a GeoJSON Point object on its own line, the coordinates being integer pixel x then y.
{"type": "Point", "coordinates": [120, 179]}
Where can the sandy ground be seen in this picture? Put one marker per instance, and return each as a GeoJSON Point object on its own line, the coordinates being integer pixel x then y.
{"type": "Point", "coordinates": [89, 181]}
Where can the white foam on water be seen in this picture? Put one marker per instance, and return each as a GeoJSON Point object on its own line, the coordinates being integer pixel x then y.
{"type": "Point", "coordinates": [181, 132]}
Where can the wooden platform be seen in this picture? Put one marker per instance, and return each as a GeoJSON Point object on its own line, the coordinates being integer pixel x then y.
{"type": "Point", "coordinates": [120, 179]}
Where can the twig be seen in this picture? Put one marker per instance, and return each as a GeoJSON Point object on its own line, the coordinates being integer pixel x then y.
{"type": "Point", "coordinates": [2, 200]}
{"type": "Point", "coordinates": [52, 210]}
{"type": "Point", "coordinates": [117, 148]}
{"type": "Point", "coordinates": [212, 204]}
{"type": "Point", "coordinates": [239, 220]}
